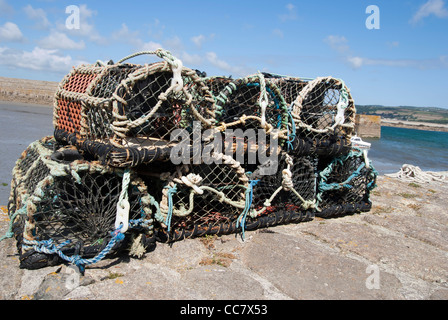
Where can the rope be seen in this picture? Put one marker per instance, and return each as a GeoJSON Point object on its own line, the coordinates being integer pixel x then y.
{"type": "Point", "coordinates": [414, 173]}
{"type": "Point", "coordinates": [171, 191]}
{"type": "Point", "coordinates": [48, 247]}
{"type": "Point", "coordinates": [123, 206]}
{"type": "Point", "coordinates": [263, 100]}
{"type": "Point", "coordinates": [9, 234]}
{"type": "Point", "coordinates": [292, 135]}
{"type": "Point", "coordinates": [249, 197]}
{"type": "Point", "coordinates": [161, 53]}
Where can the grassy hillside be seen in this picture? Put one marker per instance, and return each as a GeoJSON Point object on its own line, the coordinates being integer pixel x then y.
{"type": "Point", "coordinates": [406, 113]}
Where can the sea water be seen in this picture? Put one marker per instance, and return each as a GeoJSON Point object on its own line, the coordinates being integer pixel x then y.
{"type": "Point", "coordinates": [397, 146]}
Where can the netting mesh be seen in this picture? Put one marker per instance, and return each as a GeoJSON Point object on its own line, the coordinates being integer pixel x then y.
{"type": "Point", "coordinates": [71, 203]}
{"type": "Point", "coordinates": [345, 185]}
{"type": "Point", "coordinates": [149, 107]}
{"type": "Point", "coordinates": [251, 103]}
{"type": "Point", "coordinates": [109, 170]}
{"type": "Point", "coordinates": [324, 109]}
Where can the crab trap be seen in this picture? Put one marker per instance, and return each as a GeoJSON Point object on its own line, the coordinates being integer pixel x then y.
{"type": "Point", "coordinates": [110, 179]}
{"type": "Point", "coordinates": [125, 114]}
{"type": "Point", "coordinates": [65, 208]}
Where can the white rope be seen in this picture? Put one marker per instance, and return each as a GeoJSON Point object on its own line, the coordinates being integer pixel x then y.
{"type": "Point", "coordinates": [263, 101]}
{"type": "Point", "coordinates": [192, 180]}
{"type": "Point", "coordinates": [123, 205]}
{"type": "Point", "coordinates": [414, 173]}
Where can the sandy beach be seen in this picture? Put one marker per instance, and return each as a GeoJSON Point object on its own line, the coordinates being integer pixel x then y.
{"type": "Point", "coordinates": [414, 125]}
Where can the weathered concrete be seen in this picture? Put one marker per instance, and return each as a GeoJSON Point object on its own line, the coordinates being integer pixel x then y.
{"type": "Point", "coordinates": [403, 238]}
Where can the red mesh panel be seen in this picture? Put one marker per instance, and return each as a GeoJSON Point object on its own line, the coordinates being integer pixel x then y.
{"type": "Point", "coordinates": [69, 116]}
{"type": "Point", "coordinates": [79, 82]}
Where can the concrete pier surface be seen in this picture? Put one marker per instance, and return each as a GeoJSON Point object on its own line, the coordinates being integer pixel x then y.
{"type": "Point", "coordinates": [397, 251]}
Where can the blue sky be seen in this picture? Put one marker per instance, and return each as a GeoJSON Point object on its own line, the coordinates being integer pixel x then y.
{"type": "Point", "coordinates": [404, 62]}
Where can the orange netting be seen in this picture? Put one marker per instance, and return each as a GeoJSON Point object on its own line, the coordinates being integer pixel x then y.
{"type": "Point", "coordinates": [69, 115]}
{"type": "Point", "coordinates": [79, 82]}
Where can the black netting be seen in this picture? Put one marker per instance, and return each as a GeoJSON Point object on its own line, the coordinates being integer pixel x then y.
{"type": "Point", "coordinates": [111, 79]}
{"type": "Point", "coordinates": [82, 211]}
{"type": "Point", "coordinates": [345, 185]}
{"type": "Point", "coordinates": [239, 105]}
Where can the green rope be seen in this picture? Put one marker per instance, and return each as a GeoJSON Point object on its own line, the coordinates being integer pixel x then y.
{"type": "Point", "coordinates": [171, 191]}
{"type": "Point", "coordinates": [9, 234]}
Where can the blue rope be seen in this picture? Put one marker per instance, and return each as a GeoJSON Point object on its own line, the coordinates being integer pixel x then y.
{"type": "Point", "coordinates": [171, 191]}
{"type": "Point", "coordinates": [48, 246]}
{"type": "Point", "coordinates": [293, 133]}
{"type": "Point", "coordinates": [248, 204]}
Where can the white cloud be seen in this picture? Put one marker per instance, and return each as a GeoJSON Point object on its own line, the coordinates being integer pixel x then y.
{"type": "Point", "coordinates": [59, 40]}
{"type": "Point", "coordinates": [444, 60]}
{"type": "Point", "coordinates": [39, 60]}
{"type": "Point", "coordinates": [10, 32]}
{"type": "Point", "coordinates": [156, 29]}
{"type": "Point", "coordinates": [201, 39]}
{"type": "Point", "coordinates": [432, 7]}
{"type": "Point", "coordinates": [190, 59]}
{"type": "Point", "coordinates": [198, 40]}
{"type": "Point", "coordinates": [39, 15]}
{"type": "Point", "coordinates": [238, 71]}
{"type": "Point", "coordinates": [437, 63]}
{"type": "Point", "coordinates": [87, 27]}
{"type": "Point", "coordinates": [127, 36]}
{"type": "Point", "coordinates": [150, 46]}
{"type": "Point", "coordinates": [173, 44]}
{"type": "Point", "coordinates": [278, 33]}
{"type": "Point", "coordinates": [338, 43]}
{"type": "Point", "coordinates": [393, 44]}
{"type": "Point", "coordinates": [291, 13]}
{"type": "Point", "coordinates": [124, 33]}
{"type": "Point", "coordinates": [355, 62]}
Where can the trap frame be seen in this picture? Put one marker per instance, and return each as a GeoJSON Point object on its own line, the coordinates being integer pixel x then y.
{"type": "Point", "coordinates": [64, 208]}
{"type": "Point", "coordinates": [105, 181]}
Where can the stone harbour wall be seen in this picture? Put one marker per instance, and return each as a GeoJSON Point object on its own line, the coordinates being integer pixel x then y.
{"type": "Point", "coordinates": [367, 126]}
{"type": "Point", "coordinates": [27, 91]}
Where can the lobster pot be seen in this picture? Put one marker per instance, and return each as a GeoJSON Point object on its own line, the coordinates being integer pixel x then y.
{"type": "Point", "coordinates": [290, 87]}
{"type": "Point", "coordinates": [284, 188]}
{"type": "Point", "coordinates": [148, 107]}
{"type": "Point", "coordinates": [201, 199]}
{"type": "Point", "coordinates": [252, 103]}
{"type": "Point", "coordinates": [82, 102]}
{"type": "Point", "coordinates": [345, 184]}
{"type": "Point", "coordinates": [124, 114]}
{"type": "Point", "coordinates": [217, 84]}
{"type": "Point", "coordinates": [324, 114]}
{"type": "Point", "coordinates": [63, 206]}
